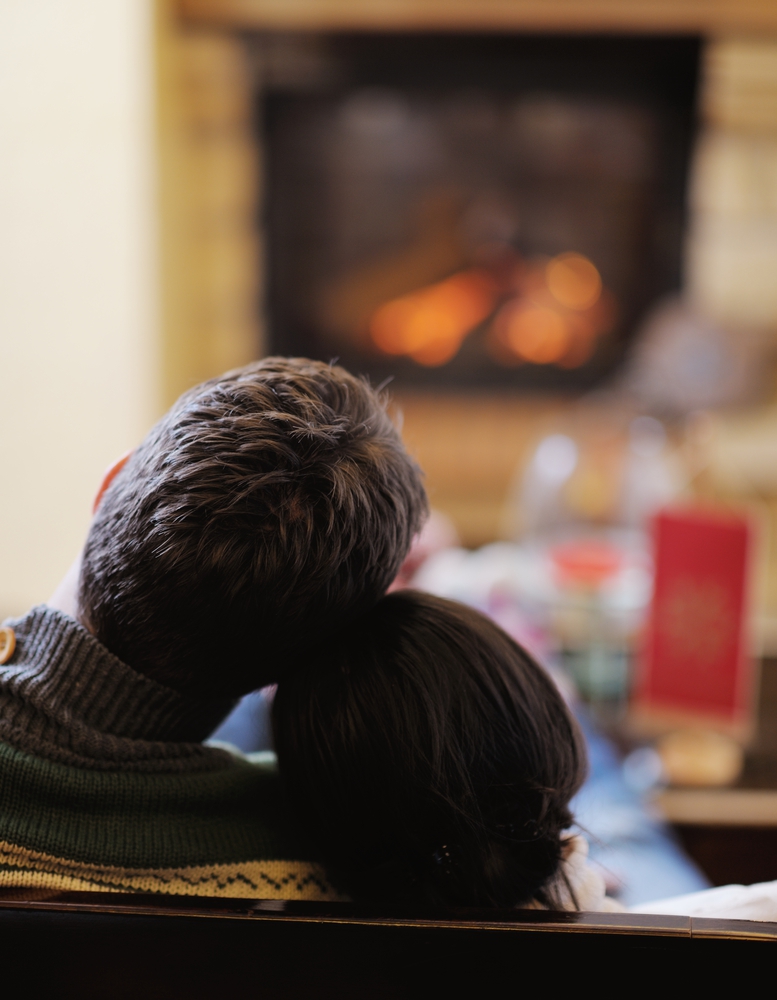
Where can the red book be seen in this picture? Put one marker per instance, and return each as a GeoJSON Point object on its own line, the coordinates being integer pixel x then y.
{"type": "Point", "coordinates": [696, 658]}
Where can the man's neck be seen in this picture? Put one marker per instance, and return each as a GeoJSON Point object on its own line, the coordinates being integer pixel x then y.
{"type": "Point", "coordinates": [65, 597]}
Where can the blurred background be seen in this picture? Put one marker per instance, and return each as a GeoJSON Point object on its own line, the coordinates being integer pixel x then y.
{"type": "Point", "coordinates": [550, 229]}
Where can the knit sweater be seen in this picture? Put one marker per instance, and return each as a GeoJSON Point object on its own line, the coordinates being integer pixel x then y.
{"type": "Point", "coordinates": [105, 783]}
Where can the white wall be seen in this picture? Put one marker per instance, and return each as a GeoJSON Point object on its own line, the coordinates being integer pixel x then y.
{"type": "Point", "coordinates": [77, 271]}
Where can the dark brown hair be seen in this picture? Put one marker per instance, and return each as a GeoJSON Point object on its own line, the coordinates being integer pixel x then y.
{"type": "Point", "coordinates": [429, 758]}
{"type": "Point", "coordinates": [264, 509]}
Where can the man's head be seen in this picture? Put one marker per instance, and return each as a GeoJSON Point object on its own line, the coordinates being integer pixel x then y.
{"type": "Point", "coordinates": [266, 508]}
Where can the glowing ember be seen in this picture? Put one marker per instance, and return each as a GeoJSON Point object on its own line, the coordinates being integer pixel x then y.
{"type": "Point", "coordinates": [430, 325]}
{"type": "Point", "coordinates": [547, 312]}
{"type": "Point", "coordinates": [533, 333]}
{"type": "Point", "coordinates": [573, 281]}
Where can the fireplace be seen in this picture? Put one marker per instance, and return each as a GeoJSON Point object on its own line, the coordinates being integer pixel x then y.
{"type": "Point", "coordinates": [237, 274]}
{"type": "Point", "coordinates": [469, 211]}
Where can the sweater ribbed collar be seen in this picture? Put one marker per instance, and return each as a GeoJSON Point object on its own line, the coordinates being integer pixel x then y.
{"type": "Point", "coordinates": [65, 697]}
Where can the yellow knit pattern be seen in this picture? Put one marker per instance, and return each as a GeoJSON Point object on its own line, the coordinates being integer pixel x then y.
{"type": "Point", "coordinates": [21, 867]}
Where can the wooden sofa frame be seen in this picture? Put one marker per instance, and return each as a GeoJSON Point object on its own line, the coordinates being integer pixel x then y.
{"type": "Point", "coordinates": [116, 945]}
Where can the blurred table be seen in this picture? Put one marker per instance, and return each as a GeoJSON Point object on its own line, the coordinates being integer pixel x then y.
{"type": "Point", "coordinates": [734, 807]}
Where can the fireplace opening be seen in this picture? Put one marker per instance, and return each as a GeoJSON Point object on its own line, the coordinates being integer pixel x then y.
{"type": "Point", "coordinates": [473, 211]}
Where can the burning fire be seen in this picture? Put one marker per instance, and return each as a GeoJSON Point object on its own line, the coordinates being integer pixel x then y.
{"type": "Point", "coordinates": [573, 281]}
{"type": "Point", "coordinates": [543, 312]}
{"type": "Point", "coordinates": [430, 325]}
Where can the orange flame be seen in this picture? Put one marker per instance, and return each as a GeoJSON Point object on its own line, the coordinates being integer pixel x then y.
{"type": "Point", "coordinates": [573, 281]}
{"type": "Point", "coordinates": [429, 325]}
{"type": "Point", "coordinates": [560, 311]}
{"type": "Point", "coordinates": [533, 333]}
{"type": "Point", "coordinates": [557, 311]}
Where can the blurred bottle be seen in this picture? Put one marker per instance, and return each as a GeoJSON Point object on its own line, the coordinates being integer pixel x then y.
{"type": "Point", "coordinates": [604, 476]}
{"type": "Point", "coordinates": [583, 504]}
{"type": "Point", "coordinates": [651, 475]}
{"type": "Point", "coordinates": [594, 631]}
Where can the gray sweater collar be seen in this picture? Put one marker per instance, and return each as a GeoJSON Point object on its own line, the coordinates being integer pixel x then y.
{"type": "Point", "coordinates": [65, 697]}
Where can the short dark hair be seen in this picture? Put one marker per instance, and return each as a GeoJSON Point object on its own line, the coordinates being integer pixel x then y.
{"type": "Point", "coordinates": [264, 509]}
{"type": "Point", "coordinates": [429, 758]}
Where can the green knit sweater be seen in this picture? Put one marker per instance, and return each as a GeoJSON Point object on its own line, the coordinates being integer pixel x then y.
{"type": "Point", "coordinates": [105, 783]}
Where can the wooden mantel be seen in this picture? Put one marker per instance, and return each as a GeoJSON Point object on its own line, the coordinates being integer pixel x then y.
{"type": "Point", "coordinates": [709, 17]}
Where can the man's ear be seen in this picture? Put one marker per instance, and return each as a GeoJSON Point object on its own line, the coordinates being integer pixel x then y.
{"type": "Point", "coordinates": [108, 476]}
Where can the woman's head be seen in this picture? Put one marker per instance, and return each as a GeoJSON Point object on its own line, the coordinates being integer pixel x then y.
{"type": "Point", "coordinates": [429, 757]}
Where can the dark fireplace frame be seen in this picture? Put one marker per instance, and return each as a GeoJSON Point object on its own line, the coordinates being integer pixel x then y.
{"type": "Point", "coordinates": [658, 72]}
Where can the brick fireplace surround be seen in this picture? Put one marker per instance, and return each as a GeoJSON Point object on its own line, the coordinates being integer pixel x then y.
{"type": "Point", "coordinates": [210, 185]}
